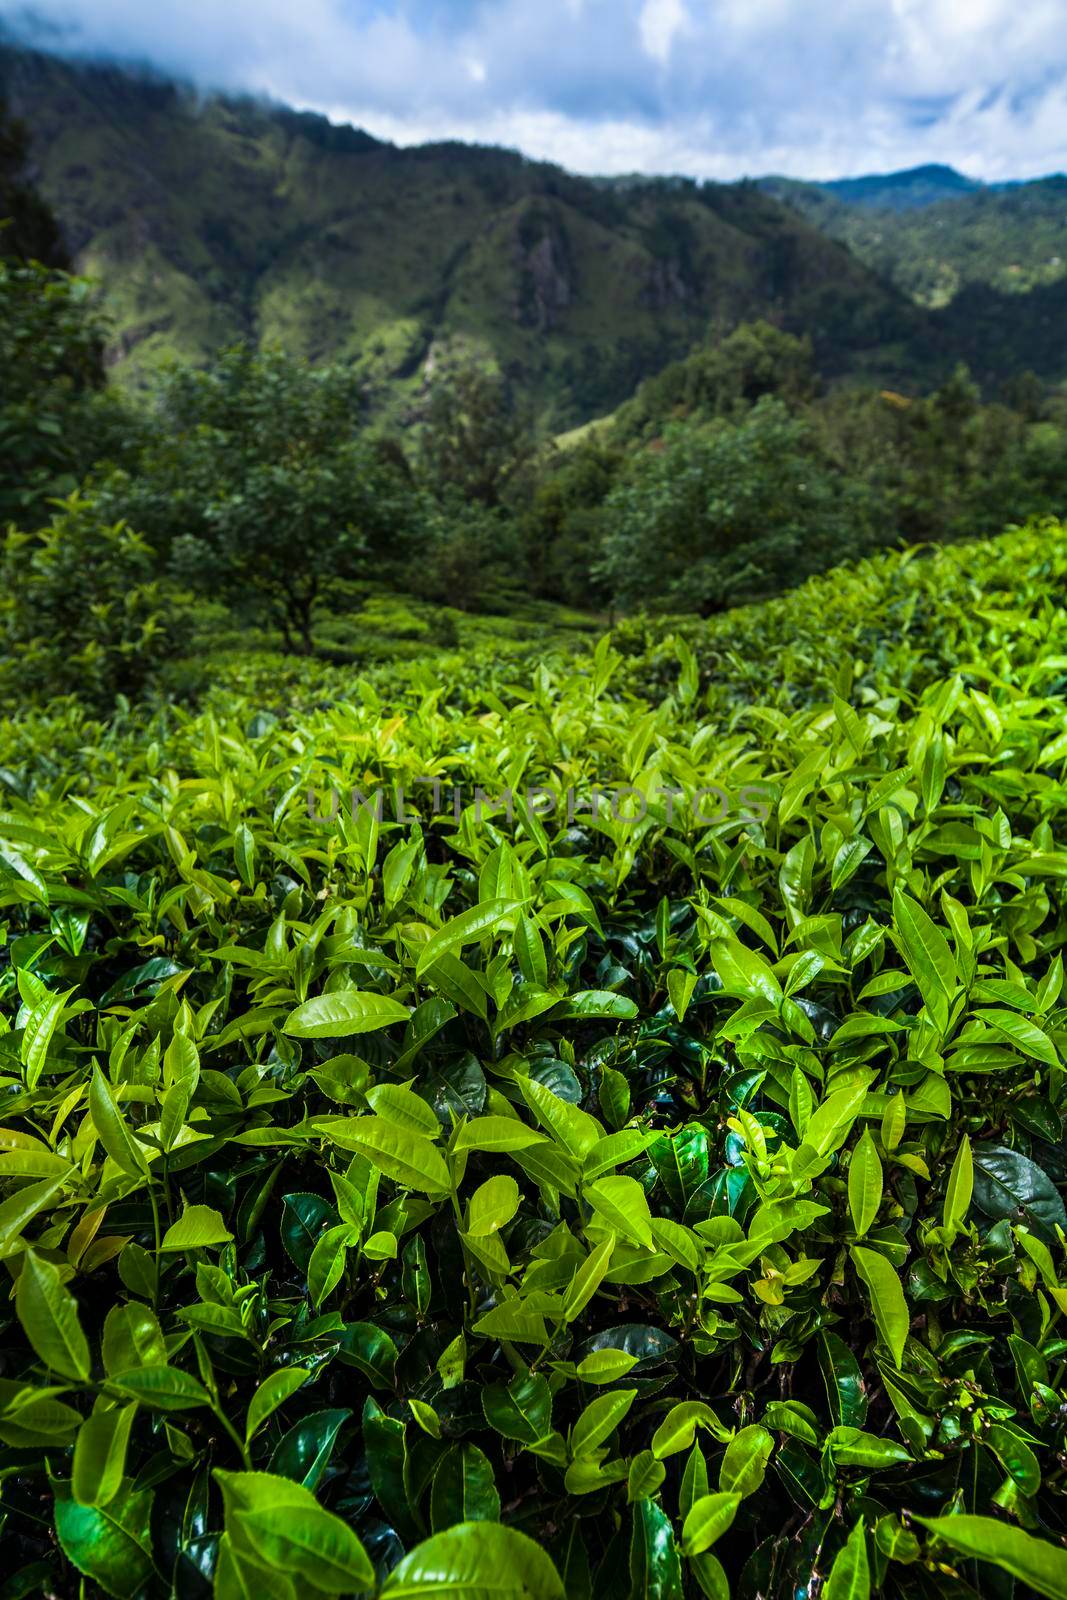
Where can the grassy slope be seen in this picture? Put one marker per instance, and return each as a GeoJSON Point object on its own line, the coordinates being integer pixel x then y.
{"type": "Point", "coordinates": [218, 220]}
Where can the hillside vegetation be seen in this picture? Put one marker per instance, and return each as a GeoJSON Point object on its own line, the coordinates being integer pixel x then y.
{"type": "Point", "coordinates": [936, 239]}
{"type": "Point", "coordinates": [405, 261]}
{"type": "Point", "coordinates": [349, 248]}
{"type": "Point", "coordinates": [261, 500]}
{"type": "Point", "coordinates": [651, 1182]}
{"type": "Point", "coordinates": [991, 261]}
{"type": "Point", "coordinates": [523, 1078]}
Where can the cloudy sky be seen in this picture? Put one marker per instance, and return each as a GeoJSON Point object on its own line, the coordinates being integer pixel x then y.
{"type": "Point", "coordinates": [715, 88]}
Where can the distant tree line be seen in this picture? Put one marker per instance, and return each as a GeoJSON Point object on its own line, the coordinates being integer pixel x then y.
{"type": "Point", "coordinates": [261, 484]}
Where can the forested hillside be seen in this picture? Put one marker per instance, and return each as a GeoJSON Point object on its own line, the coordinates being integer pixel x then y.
{"type": "Point", "coordinates": [214, 220]}
{"type": "Point", "coordinates": [209, 220]}
{"type": "Point", "coordinates": [936, 234]}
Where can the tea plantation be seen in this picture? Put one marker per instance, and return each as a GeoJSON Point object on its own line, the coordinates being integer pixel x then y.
{"type": "Point", "coordinates": [572, 1122]}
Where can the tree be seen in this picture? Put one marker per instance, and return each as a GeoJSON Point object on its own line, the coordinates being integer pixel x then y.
{"type": "Point", "coordinates": [81, 610]}
{"type": "Point", "coordinates": [28, 229]}
{"type": "Point", "coordinates": [476, 438]}
{"type": "Point", "coordinates": [712, 516]}
{"type": "Point", "coordinates": [724, 379]}
{"type": "Point", "coordinates": [474, 559]}
{"type": "Point", "coordinates": [56, 418]}
{"type": "Point", "coordinates": [257, 486]}
{"type": "Point", "coordinates": [562, 519]}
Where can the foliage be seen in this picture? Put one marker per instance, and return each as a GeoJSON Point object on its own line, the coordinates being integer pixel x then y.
{"type": "Point", "coordinates": [383, 257]}
{"type": "Point", "coordinates": [716, 515]}
{"type": "Point", "coordinates": [724, 379]}
{"type": "Point", "coordinates": [256, 484]}
{"type": "Point", "coordinates": [28, 230]}
{"type": "Point", "coordinates": [54, 421]}
{"type": "Point", "coordinates": [945, 466]}
{"type": "Point", "coordinates": [542, 1119]}
{"type": "Point", "coordinates": [81, 611]}
{"type": "Point", "coordinates": [1007, 237]}
{"type": "Point", "coordinates": [676, 500]}
{"type": "Point", "coordinates": [475, 438]}
{"type": "Point", "coordinates": [692, 495]}
{"type": "Point", "coordinates": [659, 1200]}
{"type": "Point", "coordinates": [562, 520]}
{"type": "Point", "coordinates": [473, 557]}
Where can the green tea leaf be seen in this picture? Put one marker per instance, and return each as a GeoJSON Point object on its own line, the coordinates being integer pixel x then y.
{"type": "Point", "coordinates": [407, 1158]}
{"type": "Point", "coordinates": [645, 1477]}
{"type": "Point", "coordinates": [576, 1130]}
{"type": "Point", "coordinates": [372, 1350]}
{"type": "Point", "coordinates": [960, 1187]}
{"type": "Point", "coordinates": [621, 1203]}
{"type": "Point", "coordinates": [655, 1567]}
{"type": "Point", "coordinates": [272, 1393]}
{"type": "Point", "coordinates": [161, 1388]}
{"type": "Point", "coordinates": [464, 1489]}
{"type": "Point", "coordinates": [111, 1128]}
{"type": "Point", "coordinates": [303, 1453]}
{"type": "Point", "coordinates": [398, 1104]}
{"type": "Point", "coordinates": [475, 1561]}
{"type": "Point", "coordinates": [132, 1338]}
{"type": "Point", "coordinates": [342, 1013]}
{"type": "Point", "coordinates": [708, 1520]}
{"type": "Point", "coordinates": [20, 1208]}
{"type": "Point", "coordinates": [511, 1320]}
{"type": "Point", "coordinates": [588, 1278]}
{"type": "Point", "coordinates": [197, 1228]}
{"type": "Point", "coordinates": [100, 1453]}
{"type": "Point", "coordinates": [520, 1410]}
{"type": "Point", "coordinates": [887, 1299]}
{"type": "Point", "coordinates": [864, 1184]}
{"type": "Point", "coordinates": [927, 954]}
{"type": "Point", "coordinates": [1037, 1563]}
{"type": "Point", "coordinates": [39, 1031]}
{"type": "Point", "coordinates": [467, 928]}
{"type": "Point", "coordinates": [600, 1419]}
{"type": "Point", "coordinates": [1009, 1185]}
{"type": "Point", "coordinates": [111, 1544]}
{"type": "Point", "coordinates": [850, 1576]}
{"type": "Point", "coordinates": [281, 1524]}
{"type": "Point", "coordinates": [678, 1428]}
{"type": "Point", "coordinates": [492, 1206]}
{"type": "Point", "coordinates": [497, 1135]}
{"type": "Point", "coordinates": [745, 1463]}
{"type": "Point", "coordinates": [48, 1313]}
{"type": "Point", "coordinates": [1025, 1035]}
{"type": "Point", "coordinates": [843, 1378]}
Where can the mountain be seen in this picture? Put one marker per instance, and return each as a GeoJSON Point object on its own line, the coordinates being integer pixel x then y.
{"type": "Point", "coordinates": [934, 233]}
{"type": "Point", "coordinates": [210, 219]}
{"type": "Point", "coordinates": [902, 191]}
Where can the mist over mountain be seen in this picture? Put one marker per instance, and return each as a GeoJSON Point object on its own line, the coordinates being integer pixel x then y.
{"type": "Point", "coordinates": [209, 218]}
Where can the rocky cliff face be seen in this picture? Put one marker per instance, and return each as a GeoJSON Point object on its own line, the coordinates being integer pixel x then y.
{"type": "Point", "coordinates": [545, 273]}
{"type": "Point", "coordinates": [665, 285]}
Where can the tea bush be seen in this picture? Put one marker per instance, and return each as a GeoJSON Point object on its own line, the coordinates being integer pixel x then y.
{"type": "Point", "coordinates": [81, 610]}
{"type": "Point", "coordinates": [653, 1196]}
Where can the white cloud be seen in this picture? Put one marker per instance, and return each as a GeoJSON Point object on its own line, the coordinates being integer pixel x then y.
{"type": "Point", "coordinates": [719, 88]}
{"type": "Point", "coordinates": [660, 22]}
